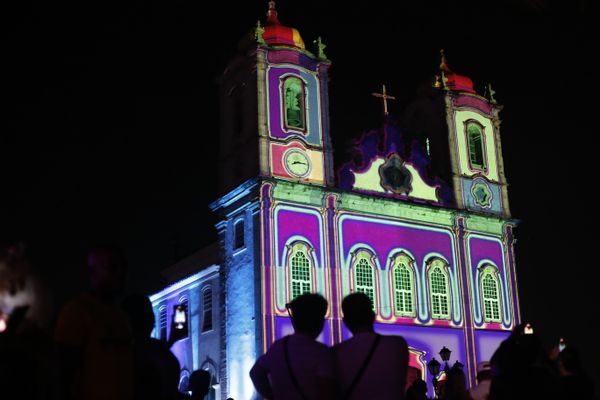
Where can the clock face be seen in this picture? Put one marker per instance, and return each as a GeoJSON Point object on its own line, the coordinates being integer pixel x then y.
{"type": "Point", "coordinates": [481, 194]}
{"type": "Point", "coordinates": [297, 163]}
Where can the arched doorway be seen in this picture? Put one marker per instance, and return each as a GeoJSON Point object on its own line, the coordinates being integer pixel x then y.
{"type": "Point", "coordinates": [214, 392]}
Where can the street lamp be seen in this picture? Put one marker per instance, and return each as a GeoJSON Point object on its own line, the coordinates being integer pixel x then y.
{"type": "Point", "coordinates": [433, 366]}
{"type": "Point", "coordinates": [445, 354]}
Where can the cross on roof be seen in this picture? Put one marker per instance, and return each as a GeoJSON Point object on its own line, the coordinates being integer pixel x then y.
{"type": "Point", "coordinates": [383, 95]}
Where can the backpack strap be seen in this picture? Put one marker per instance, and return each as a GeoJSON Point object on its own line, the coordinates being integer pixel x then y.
{"type": "Point", "coordinates": [289, 368]}
{"type": "Point", "coordinates": [363, 367]}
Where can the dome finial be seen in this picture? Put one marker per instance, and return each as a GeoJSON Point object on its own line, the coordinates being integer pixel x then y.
{"type": "Point", "coordinates": [272, 14]}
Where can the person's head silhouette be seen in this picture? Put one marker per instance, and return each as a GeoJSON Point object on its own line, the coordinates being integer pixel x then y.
{"type": "Point", "coordinates": [358, 312]}
{"type": "Point", "coordinates": [455, 385]}
{"type": "Point", "coordinates": [199, 383]}
{"type": "Point", "coordinates": [107, 266]}
{"type": "Point", "coordinates": [308, 313]}
{"type": "Point", "coordinates": [139, 310]}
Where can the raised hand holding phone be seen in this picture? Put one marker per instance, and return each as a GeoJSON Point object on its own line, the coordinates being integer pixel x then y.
{"type": "Point", "coordinates": [179, 324]}
{"type": "Point", "coordinates": [179, 317]}
{"type": "Point", "coordinates": [562, 344]}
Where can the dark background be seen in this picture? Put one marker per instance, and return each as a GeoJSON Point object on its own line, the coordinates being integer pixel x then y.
{"type": "Point", "coordinates": [109, 125]}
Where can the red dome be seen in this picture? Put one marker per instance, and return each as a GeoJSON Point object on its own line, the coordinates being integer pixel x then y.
{"type": "Point", "coordinates": [454, 81]}
{"type": "Point", "coordinates": [277, 34]}
{"type": "Point", "coordinates": [460, 83]}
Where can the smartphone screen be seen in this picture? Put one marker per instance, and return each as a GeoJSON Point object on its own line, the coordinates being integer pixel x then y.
{"type": "Point", "coordinates": [179, 317]}
{"type": "Point", "coordinates": [561, 344]}
{"type": "Point", "coordinates": [3, 324]}
{"type": "Point", "coordinates": [528, 329]}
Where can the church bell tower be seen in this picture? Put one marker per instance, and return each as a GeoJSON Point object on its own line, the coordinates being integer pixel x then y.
{"type": "Point", "coordinates": [274, 102]}
{"type": "Point", "coordinates": [461, 131]}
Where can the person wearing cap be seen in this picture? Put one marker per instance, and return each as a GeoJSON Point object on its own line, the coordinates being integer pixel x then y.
{"type": "Point", "coordinates": [484, 379]}
{"type": "Point", "coordinates": [297, 367]}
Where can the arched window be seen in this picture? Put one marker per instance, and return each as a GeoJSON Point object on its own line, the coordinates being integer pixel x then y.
{"type": "Point", "coordinates": [184, 381]}
{"type": "Point", "coordinates": [238, 233]}
{"type": "Point", "coordinates": [207, 314]}
{"type": "Point", "coordinates": [294, 103]}
{"type": "Point", "coordinates": [300, 270]}
{"type": "Point", "coordinates": [404, 286]}
{"type": "Point", "coordinates": [162, 323]}
{"type": "Point", "coordinates": [476, 149]}
{"type": "Point", "coordinates": [491, 295]}
{"type": "Point", "coordinates": [439, 289]}
{"type": "Point", "coordinates": [214, 381]}
{"type": "Point", "coordinates": [364, 276]}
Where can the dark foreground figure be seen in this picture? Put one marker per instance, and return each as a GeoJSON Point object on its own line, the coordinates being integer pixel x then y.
{"type": "Point", "coordinates": [297, 367]}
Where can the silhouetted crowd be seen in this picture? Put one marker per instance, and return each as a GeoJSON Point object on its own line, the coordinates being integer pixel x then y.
{"type": "Point", "coordinates": [101, 348]}
{"type": "Point", "coordinates": [98, 348]}
{"type": "Point", "coordinates": [373, 366]}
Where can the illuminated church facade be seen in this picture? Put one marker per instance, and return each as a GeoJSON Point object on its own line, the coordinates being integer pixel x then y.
{"type": "Point", "coordinates": [419, 220]}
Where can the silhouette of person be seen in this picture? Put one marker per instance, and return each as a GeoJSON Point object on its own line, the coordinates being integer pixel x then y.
{"type": "Point", "coordinates": [368, 365]}
{"type": "Point", "coordinates": [417, 391]}
{"type": "Point", "coordinates": [521, 369]}
{"type": "Point", "coordinates": [481, 391]}
{"type": "Point", "coordinates": [573, 382]}
{"type": "Point", "coordinates": [156, 369]}
{"type": "Point", "coordinates": [93, 336]}
{"type": "Point", "coordinates": [199, 384]}
{"type": "Point", "coordinates": [297, 367]}
{"type": "Point", "coordinates": [455, 385]}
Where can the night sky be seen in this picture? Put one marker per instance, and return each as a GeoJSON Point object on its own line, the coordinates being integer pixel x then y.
{"type": "Point", "coordinates": [109, 125]}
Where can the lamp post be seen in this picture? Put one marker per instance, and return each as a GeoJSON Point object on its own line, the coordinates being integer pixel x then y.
{"type": "Point", "coordinates": [445, 354]}
{"type": "Point", "coordinates": [433, 366]}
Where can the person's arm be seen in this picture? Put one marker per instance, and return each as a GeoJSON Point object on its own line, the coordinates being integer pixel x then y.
{"type": "Point", "coordinates": [260, 379]}
{"type": "Point", "coordinates": [175, 335]}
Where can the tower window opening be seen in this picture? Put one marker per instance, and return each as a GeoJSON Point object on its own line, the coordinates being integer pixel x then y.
{"type": "Point", "coordinates": [476, 150]}
{"type": "Point", "coordinates": [294, 103]}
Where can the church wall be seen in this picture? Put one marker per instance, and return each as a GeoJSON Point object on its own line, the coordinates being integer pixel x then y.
{"type": "Point", "coordinates": [241, 293]}
{"type": "Point", "coordinates": [386, 237]}
{"type": "Point", "coordinates": [486, 343]}
{"type": "Point", "coordinates": [485, 250]}
{"type": "Point", "coordinates": [199, 348]}
{"type": "Point", "coordinates": [275, 75]}
{"type": "Point", "coordinates": [338, 225]}
{"type": "Point", "coordinates": [238, 158]}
